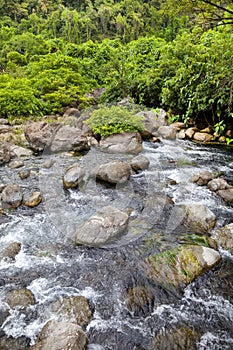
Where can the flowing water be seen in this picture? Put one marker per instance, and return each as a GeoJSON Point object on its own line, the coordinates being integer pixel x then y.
{"type": "Point", "coordinates": [51, 267]}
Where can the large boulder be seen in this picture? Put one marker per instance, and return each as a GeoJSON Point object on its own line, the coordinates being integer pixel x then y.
{"type": "Point", "coordinates": [167, 132]}
{"type": "Point", "coordinates": [224, 237]}
{"type": "Point", "coordinates": [226, 195]}
{"type": "Point", "coordinates": [73, 309]}
{"type": "Point", "coordinates": [61, 335]}
{"type": "Point", "coordinates": [5, 153]}
{"type": "Point", "coordinates": [68, 138]}
{"type": "Point", "coordinates": [40, 135]}
{"type": "Point", "coordinates": [152, 121]}
{"type": "Point", "coordinates": [179, 266]}
{"type": "Point", "coordinates": [127, 142]}
{"type": "Point", "coordinates": [74, 176]}
{"type": "Point", "coordinates": [202, 178]}
{"type": "Point", "coordinates": [11, 196]}
{"type": "Point", "coordinates": [114, 172]}
{"type": "Point", "coordinates": [102, 227]}
{"type": "Point", "coordinates": [197, 218]}
{"type": "Point", "coordinates": [20, 298]}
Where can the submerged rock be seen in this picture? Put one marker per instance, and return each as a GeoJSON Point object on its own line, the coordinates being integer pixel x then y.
{"type": "Point", "coordinates": [74, 176]}
{"type": "Point", "coordinates": [176, 338]}
{"type": "Point", "coordinates": [11, 197]}
{"type": "Point", "coordinates": [20, 297]}
{"type": "Point", "coordinates": [224, 237]}
{"type": "Point", "coordinates": [177, 267]}
{"type": "Point", "coordinates": [61, 335]}
{"type": "Point", "coordinates": [103, 226]}
{"type": "Point", "coordinates": [127, 142]}
{"type": "Point", "coordinates": [73, 309]}
{"type": "Point", "coordinates": [114, 172]}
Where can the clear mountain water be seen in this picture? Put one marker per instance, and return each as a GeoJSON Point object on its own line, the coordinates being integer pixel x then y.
{"type": "Point", "coordinates": [51, 267]}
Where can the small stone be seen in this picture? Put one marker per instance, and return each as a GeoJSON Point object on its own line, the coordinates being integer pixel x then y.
{"type": "Point", "coordinates": [33, 200]}
{"type": "Point", "coordinates": [11, 250]}
{"type": "Point", "coordinates": [24, 174]}
{"type": "Point", "coordinates": [181, 134]}
{"type": "Point", "coordinates": [139, 163]}
{"type": "Point", "coordinates": [15, 164]}
{"type": "Point", "coordinates": [20, 297]}
{"type": "Point", "coordinates": [202, 137]}
{"type": "Point", "coordinates": [11, 197]}
{"type": "Point", "coordinates": [190, 132]}
{"type": "Point", "coordinates": [74, 176]}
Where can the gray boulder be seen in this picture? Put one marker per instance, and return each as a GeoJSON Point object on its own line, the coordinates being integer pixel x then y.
{"type": "Point", "coordinates": [103, 226]}
{"type": "Point", "coordinates": [127, 142]}
{"type": "Point", "coordinates": [73, 309]}
{"type": "Point", "coordinates": [198, 218]}
{"type": "Point", "coordinates": [152, 121]}
{"type": "Point", "coordinates": [11, 196]}
{"type": "Point", "coordinates": [202, 178]}
{"type": "Point", "coordinates": [5, 154]}
{"type": "Point", "coordinates": [139, 163]}
{"type": "Point", "coordinates": [74, 176]}
{"type": "Point", "coordinates": [114, 172]}
{"type": "Point", "coordinates": [68, 138]}
{"type": "Point", "coordinates": [33, 200]}
{"type": "Point", "coordinates": [167, 132]}
{"type": "Point", "coordinates": [224, 237]}
{"type": "Point", "coordinates": [61, 335]}
{"type": "Point", "coordinates": [40, 135]}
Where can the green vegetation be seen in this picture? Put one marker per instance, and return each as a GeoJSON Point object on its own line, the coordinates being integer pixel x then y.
{"type": "Point", "coordinates": [106, 121]}
{"type": "Point", "coordinates": [175, 55]}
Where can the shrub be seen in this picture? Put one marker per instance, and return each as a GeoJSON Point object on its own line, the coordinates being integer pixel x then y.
{"type": "Point", "coordinates": [106, 121]}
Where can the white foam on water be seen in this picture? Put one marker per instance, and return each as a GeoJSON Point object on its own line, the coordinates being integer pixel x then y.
{"type": "Point", "coordinates": [214, 341]}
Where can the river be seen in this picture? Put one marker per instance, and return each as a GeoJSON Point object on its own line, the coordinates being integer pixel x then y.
{"type": "Point", "coordinates": [51, 267]}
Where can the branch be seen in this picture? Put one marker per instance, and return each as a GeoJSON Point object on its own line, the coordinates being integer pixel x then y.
{"type": "Point", "coordinates": [217, 6]}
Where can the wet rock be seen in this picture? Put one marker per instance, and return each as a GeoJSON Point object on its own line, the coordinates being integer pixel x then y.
{"type": "Point", "coordinates": [167, 132]}
{"type": "Point", "coordinates": [33, 200]}
{"type": "Point", "coordinates": [198, 218]}
{"type": "Point", "coordinates": [4, 313]}
{"type": "Point", "coordinates": [190, 132]}
{"type": "Point", "coordinates": [127, 142]}
{"type": "Point", "coordinates": [73, 309]}
{"type": "Point", "coordinates": [202, 178]}
{"type": "Point", "coordinates": [227, 195]}
{"type": "Point", "coordinates": [177, 267]}
{"type": "Point", "coordinates": [61, 335]}
{"type": "Point", "coordinates": [20, 297]}
{"type": "Point", "coordinates": [218, 184]}
{"type": "Point", "coordinates": [15, 164]}
{"type": "Point", "coordinates": [40, 135]}
{"type": "Point", "coordinates": [222, 139]}
{"type": "Point", "coordinates": [176, 338]}
{"type": "Point", "coordinates": [152, 121]}
{"type": "Point", "coordinates": [9, 343]}
{"type": "Point", "coordinates": [140, 300]}
{"type": "Point", "coordinates": [139, 163]}
{"type": "Point", "coordinates": [24, 174]}
{"type": "Point", "coordinates": [10, 251]}
{"type": "Point", "coordinates": [178, 125]}
{"type": "Point", "coordinates": [5, 154]}
{"type": "Point", "coordinates": [68, 138]}
{"type": "Point", "coordinates": [224, 237]}
{"type": "Point", "coordinates": [103, 226]}
{"type": "Point", "coordinates": [20, 151]}
{"type": "Point", "coordinates": [11, 196]}
{"type": "Point", "coordinates": [181, 134]}
{"type": "Point", "coordinates": [74, 176]}
{"type": "Point", "coordinates": [114, 172]}
{"type": "Point", "coordinates": [202, 137]}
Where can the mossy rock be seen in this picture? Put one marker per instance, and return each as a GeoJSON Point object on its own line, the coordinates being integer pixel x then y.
{"type": "Point", "coordinates": [179, 266]}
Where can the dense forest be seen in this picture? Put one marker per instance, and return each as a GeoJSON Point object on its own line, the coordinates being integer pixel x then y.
{"type": "Point", "coordinates": [175, 55]}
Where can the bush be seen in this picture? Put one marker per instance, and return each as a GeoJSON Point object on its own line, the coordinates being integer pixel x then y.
{"type": "Point", "coordinates": [114, 120]}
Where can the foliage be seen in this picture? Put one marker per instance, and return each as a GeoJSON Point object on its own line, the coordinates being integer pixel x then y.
{"type": "Point", "coordinates": [106, 121]}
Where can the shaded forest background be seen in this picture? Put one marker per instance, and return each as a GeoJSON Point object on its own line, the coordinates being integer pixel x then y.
{"type": "Point", "coordinates": [175, 55]}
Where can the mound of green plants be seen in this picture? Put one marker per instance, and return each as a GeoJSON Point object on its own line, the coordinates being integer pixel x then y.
{"type": "Point", "coordinates": [106, 121]}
